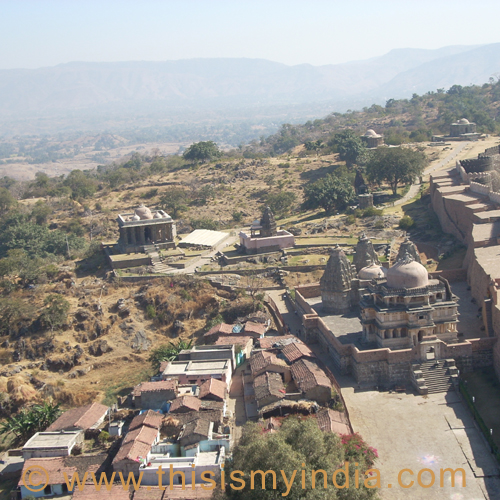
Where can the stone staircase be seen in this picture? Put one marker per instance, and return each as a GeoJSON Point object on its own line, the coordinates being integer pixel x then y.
{"type": "Point", "coordinates": [156, 262]}
{"type": "Point", "coordinates": [431, 377]}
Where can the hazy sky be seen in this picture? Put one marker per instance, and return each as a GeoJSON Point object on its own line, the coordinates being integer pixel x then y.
{"type": "Point", "coordinates": [39, 33]}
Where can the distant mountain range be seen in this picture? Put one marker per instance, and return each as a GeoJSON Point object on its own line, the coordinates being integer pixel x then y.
{"type": "Point", "coordinates": [203, 89]}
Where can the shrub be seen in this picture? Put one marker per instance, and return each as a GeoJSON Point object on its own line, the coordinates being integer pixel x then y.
{"type": "Point", "coordinates": [103, 437]}
{"type": "Point", "coordinates": [150, 311]}
{"type": "Point", "coordinates": [406, 223]}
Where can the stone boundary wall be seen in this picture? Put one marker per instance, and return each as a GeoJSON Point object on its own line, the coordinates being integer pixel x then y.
{"type": "Point", "coordinates": [478, 188]}
{"type": "Point", "coordinates": [384, 366]}
{"type": "Point", "coordinates": [450, 274]}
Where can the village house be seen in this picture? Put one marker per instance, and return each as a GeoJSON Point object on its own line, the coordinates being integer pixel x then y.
{"type": "Point", "coordinates": [154, 395]}
{"type": "Point", "coordinates": [213, 389]}
{"type": "Point", "coordinates": [312, 381]}
{"type": "Point", "coordinates": [264, 361]}
{"type": "Point", "coordinates": [209, 352]}
{"type": "Point", "coordinates": [294, 351]}
{"type": "Point", "coordinates": [51, 444]}
{"type": "Point", "coordinates": [268, 388]}
{"type": "Point", "coordinates": [333, 421]}
{"type": "Point", "coordinates": [84, 418]}
{"type": "Point", "coordinates": [197, 371]}
{"type": "Point", "coordinates": [185, 404]}
{"type": "Point", "coordinates": [242, 346]}
{"type": "Point", "coordinates": [56, 468]}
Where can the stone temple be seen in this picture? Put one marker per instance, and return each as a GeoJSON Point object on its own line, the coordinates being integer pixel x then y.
{"type": "Point", "coordinates": [145, 227]}
{"type": "Point", "coordinates": [406, 307]}
{"type": "Point", "coordinates": [265, 237]}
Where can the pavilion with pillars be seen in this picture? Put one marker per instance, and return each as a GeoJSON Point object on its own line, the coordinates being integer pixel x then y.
{"type": "Point", "coordinates": [145, 227]}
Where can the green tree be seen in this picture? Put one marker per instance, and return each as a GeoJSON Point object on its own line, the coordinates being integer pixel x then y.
{"type": "Point", "coordinates": [349, 146]}
{"type": "Point", "coordinates": [6, 199]}
{"type": "Point", "coordinates": [41, 212]}
{"type": "Point", "coordinates": [395, 166]}
{"type": "Point", "coordinates": [202, 151]}
{"type": "Point", "coordinates": [174, 201]}
{"type": "Point", "coordinates": [56, 311]}
{"type": "Point", "coordinates": [81, 185]}
{"type": "Point", "coordinates": [14, 312]}
{"type": "Point", "coordinates": [29, 421]}
{"type": "Point", "coordinates": [168, 352]}
{"type": "Point", "coordinates": [281, 202]}
{"type": "Point", "coordinates": [330, 193]}
{"type": "Point", "coordinates": [298, 445]}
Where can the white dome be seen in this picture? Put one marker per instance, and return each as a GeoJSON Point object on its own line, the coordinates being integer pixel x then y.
{"type": "Point", "coordinates": [371, 133]}
{"type": "Point", "coordinates": [135, 217]}
{"type": "Point", "coordinates": [463, 121]}
{"type": "Point", "coordinates": [371, 272]}
{"type": "Point", "coordinates": [157, 215]}
{"type": "Point", "coordinates": [407, 273]}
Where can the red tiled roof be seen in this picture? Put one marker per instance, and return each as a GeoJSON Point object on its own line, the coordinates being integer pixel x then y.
{"type": "Point", "coordinates": [83, 418]}
{"type": "Point", "coordinates": [163, 366]}
{"type": "Point", "coordinates": [132, 451]}
{"type": "Point", "coordinates": [250, 326]}
{"type": "Point", "coordinates": [149, 418]}
{"type": "Point", "coordinates": [185, 403]}
{"type": "Point", "coordinates": [268, 384]}
{"type": "Point", "coordinates": [295, 351]}
{"type": "Point", "coordinates": [162, 385]}
{"type": "Point", "coordinates": [116, 492]}
{"type": "Point", "coordinates": [307, 375]}
{"type": "Point", "coordinates": [144, 434]}
{"type": "Point", "coordinates": [220, 329]}
{"type": "Point", "coordinates": [212, 387]}
{"type": "Point", "coordinates": [234, 340]}
{"type": "Point", "coordinates": [198, 426]}
{"type": "Point", "coordinates": [333, 421]}
{"type": "Point", "coordinates": [57, 466]}
{"type": "Point", "coordinates": [268, 342]}
{"type": "Point", "coordinates": [263, 360]}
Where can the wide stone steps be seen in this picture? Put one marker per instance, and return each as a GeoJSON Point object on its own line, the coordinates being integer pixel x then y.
{"type": "Point", "coordinates": [433, 376]}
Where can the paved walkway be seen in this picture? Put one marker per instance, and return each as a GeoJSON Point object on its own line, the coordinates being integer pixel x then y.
{"type": "Point", "coordinates": [415, 432]}
{"type": "Point", "coordinates": [414, 188]}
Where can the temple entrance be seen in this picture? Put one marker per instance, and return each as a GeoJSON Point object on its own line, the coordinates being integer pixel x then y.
{"type": "Point", "coordinates": [421, 335]}
{"type": "Point", "coordinates": [148, 234]}
{"type": "Point", "coordinates": [431, 353]}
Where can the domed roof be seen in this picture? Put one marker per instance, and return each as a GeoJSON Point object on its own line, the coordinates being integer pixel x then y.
{"type": "Point", "coordinates": [407, 273]}
{"type": "Point", "coordinates": [135, 217]}
{"type": "Point", "coordinates": [144, 213]}
{"type": "Point", "coordinates": [463, 121]}
{"type": "Point", "coordinates": [157, 215]}
{"type": "Point", "coordinates": [371, 272]}
{"type": "Point", "coordinates": [371, 133]}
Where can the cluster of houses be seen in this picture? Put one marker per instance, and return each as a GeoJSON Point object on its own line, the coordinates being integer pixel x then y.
{"type": "Point", "coordinates": [182, 421]}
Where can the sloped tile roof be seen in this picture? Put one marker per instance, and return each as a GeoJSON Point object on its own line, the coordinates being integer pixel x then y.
{"type": "Point", "coordinates": [57, 466]}
{"type": "Point", "coordinates": [333, 421]}
{"type": "Point", "coordinates": [149, 418]}
{"type": "Point", "coordinates": [234, 340]}
{"type": "Point", "coordinates": [307, 375]}
{"type": "Point", "coordinates": [268, 384]}
{"type": "Point", "coordinates": [84, 417]}
{"type": "Point", "coordinates": [269, 342]}
{"type": "Point", "coordinates": [185, 403]}
{"type": "Point", "coordinates": [220, 329]}
{"type": "Point", "coordinates": [258, 328]}
{"type": "Point", "coordinates": [144, 434]}
{"type": "Point", "coordinates": [162, 385]}
{"type": "Point", "coordinates": [198, 426]}
{"type": "Point", "coordinates": [263, 359]}
{"type": "Point", "coordinates": [213, 387]}
{"type": "Point", "coordinates": [295, 351]}
{"type": "Point", "coordinates": [132, 451]}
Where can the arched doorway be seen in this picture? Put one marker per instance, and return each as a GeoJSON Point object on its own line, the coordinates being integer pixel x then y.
{"type": "Point", "coordinates": [421, 335]}
{"type": "Point", "coordinates": [431, 353]}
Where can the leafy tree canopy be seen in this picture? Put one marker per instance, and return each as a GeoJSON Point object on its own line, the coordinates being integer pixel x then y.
{"type": "Point", "coordinates": [202, 151]}
{"type": "Point", "coordinates": [174, 201]}
{"type": "Point", "coordinates": [168, 352]}
{"type": "Point", "coordinates": [395, 166]}
{"type": "Point", "coordinates": [349, 146]}
{"type": "Point", "coordinates": [329, 193]}
{"type": "Point", "coordinates": [298, 445]}
{"type": "Point", "coordinates": [281, 202]}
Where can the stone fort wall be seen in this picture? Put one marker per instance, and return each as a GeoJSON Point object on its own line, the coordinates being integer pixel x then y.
{"type": "Point", "coordinates": [462, 206]}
